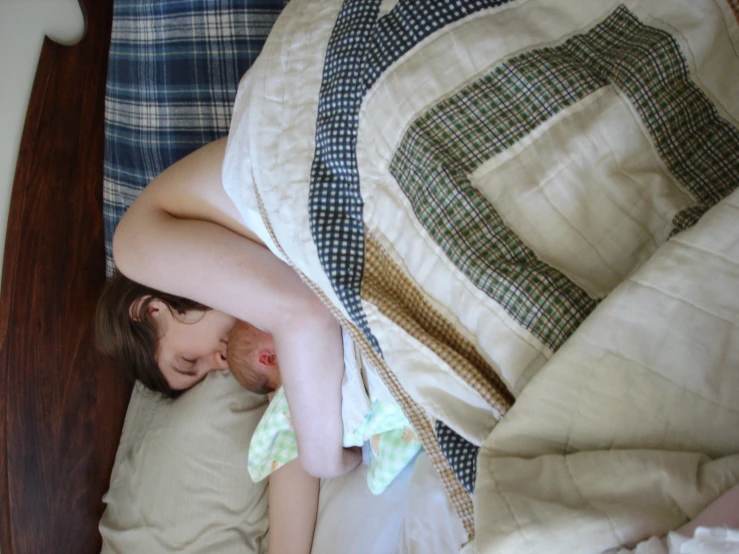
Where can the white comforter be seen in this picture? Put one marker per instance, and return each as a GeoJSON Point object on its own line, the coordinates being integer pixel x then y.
{"type": "Point", "coordinates": [499, 202]}
{"type": "Point", "coordinates": [633, 427]}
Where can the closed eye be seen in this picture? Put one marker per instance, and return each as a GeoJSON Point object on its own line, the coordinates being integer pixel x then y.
{"type": "Point", "coordinates": [189, 363]}
{"type": "Point", "coordinates": [183, 371]}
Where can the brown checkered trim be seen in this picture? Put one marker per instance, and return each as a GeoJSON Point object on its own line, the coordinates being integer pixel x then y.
{"type": "Point", "coordinates": [417, 416]}
{"type": "Point", "coordinates": [422, 425]}
{"type": "Point", "coordinates": [386, 286]}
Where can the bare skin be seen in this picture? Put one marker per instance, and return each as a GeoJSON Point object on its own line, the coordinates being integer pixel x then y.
{"type": "Point", "coordinates": [252, 359]}
{"type": "Point", "coordinates": [293, 508]}
{"type": "Point", "coordinates": [183, 235]}
{"type": "Point", "coordinates": [722, 512]}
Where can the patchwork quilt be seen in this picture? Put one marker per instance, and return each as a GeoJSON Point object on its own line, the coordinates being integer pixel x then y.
{"type": "Point", "coordinates": [520, 201]}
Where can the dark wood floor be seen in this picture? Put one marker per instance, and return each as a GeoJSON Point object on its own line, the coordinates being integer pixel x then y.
{"type": "Point", "coordinates": [61, 404]}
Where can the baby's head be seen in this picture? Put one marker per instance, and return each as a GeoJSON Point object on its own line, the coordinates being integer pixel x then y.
{"type": "Point", "coordinates": [252, 360]}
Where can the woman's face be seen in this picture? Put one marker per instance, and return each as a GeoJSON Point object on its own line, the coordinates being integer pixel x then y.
{"type": "Point", "coordinates": [191, 344]}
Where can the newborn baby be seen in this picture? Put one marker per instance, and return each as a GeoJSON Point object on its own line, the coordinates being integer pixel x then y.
{"type": "Point", "coordinates": [378, 425]}
{"type": "Point", "coordinates": [252, 359]}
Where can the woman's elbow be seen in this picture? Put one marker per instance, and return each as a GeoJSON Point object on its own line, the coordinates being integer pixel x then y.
{"type": "Point", "coordinates": [306, 309]}
{"type": "Point", "coordinates": [121, 248]}
{"type": "Point", "coordinates": [321, 466]}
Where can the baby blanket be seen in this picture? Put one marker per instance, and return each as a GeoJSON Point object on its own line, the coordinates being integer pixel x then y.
{"type": "Point", "coordinates": [381, 424]}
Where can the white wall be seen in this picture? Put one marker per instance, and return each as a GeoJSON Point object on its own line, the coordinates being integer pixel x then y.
{"type": "Point", "coordinates": [23, 24]}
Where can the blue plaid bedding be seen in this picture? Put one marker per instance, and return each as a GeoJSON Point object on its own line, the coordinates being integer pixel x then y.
{"type": "Point", "coordinates": [173, 70]}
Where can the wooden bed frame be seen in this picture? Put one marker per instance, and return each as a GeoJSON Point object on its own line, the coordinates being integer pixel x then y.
{"type": "Point", "coordinates": [62, 405]}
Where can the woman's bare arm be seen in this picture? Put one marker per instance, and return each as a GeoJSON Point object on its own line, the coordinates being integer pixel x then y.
{"type": "Point", "coordinates": [293, 505]}
{"type": "Point", "coordinates": [182, 236]}
{"type": "Point", "coordinates": [722, 512]}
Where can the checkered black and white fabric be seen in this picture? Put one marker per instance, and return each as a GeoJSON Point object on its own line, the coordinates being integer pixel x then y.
{"type": "Point", "coordinates": [362, 46]}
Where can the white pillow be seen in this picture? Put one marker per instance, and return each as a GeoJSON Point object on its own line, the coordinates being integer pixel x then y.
{"type": "Point", "coordinates": [180, 479]}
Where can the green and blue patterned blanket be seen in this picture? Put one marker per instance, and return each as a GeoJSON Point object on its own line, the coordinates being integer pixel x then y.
{"type": "Point", "coordinates": [391, 442]}
{"type": "Point", "coordinates": [371, 419]}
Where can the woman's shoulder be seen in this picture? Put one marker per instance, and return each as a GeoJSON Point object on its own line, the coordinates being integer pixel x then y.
{"type": "Point", "coordinates": [192, 188]}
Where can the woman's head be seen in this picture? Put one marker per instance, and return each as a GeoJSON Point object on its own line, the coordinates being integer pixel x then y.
{"type": "Point", "coordinates": [167, 342]}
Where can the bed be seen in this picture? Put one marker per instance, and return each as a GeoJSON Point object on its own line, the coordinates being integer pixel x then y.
{"type": "Point", "coordinates": [61, 434]}
{"type": "Point", "coordinates": [668, 451]}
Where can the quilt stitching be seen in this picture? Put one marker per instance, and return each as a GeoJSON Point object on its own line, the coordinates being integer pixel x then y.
{"type": "Point", "coordinates": [410, 22]}
{"type": "Point", "coordinates": [566, 463]}
{"type": "Point", "coordinates": [658, 374]}
{"type": "Point", "coordinates": [395, 295]}
{"type": "Point", "coordinates": [448, 142]}
{"type": "Point", "coordinates": [718, 255]}
{"type": "Point", "coordinates": [359, 49]}
{"type": "Point", "coordinates": [521, 527]}
{"type": "Point", "coordinates": [697, 145]}
{"type": "Point", "coordinates": [452, 139]}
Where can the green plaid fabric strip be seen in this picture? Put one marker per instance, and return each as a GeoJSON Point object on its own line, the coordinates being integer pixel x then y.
{"type": "Point", "coordinates": [699, 147]}
{"type": "Point", "coordinates": [490, 115]}
{"type": "Point", "coordinates": [393, 444]}
{"type": "Point", "coordinates": [452, 140]}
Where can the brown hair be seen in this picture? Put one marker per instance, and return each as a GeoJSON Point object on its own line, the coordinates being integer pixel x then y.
{"type": "Point", "coordinates": [131, 339]}
{"type": "Point", "coordinates": [244, 343]}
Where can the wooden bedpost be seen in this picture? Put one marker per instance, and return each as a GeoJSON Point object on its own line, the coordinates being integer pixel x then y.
{"type": "Point", "coordinates": [61, 404]}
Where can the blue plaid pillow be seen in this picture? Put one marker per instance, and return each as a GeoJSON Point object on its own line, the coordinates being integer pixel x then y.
{"type": "Point", "coordinates": [173, 71]}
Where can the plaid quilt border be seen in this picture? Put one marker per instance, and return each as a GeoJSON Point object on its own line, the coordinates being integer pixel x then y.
{"type": "Point", "coordinates": [460, 133]}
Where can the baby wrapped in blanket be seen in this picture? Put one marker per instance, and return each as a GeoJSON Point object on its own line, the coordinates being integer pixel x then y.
{"type": "Point", "coordinates": [372, 420]}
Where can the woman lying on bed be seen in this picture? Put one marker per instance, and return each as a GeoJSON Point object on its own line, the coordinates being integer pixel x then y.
{"type": "Point", "coordinates": [182, 236]}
